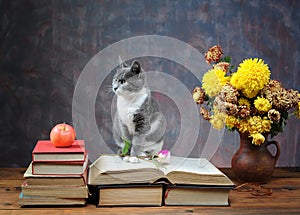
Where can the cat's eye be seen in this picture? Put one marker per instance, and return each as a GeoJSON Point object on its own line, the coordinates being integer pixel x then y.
{"type": "Point", "coordinates": [122, 81]}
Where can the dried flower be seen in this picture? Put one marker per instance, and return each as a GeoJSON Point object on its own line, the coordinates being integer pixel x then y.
{"type": "Point", "coordinates": [199, 95]}
{"type": "Point", "coordinates": [213, 54]}
{"type": "Point", "coordinates": [244, 111]}
{"type": "Point", "coordinates": [225, 107]}
{"type": "Point", "coordinates": [279, 97]}
{"type": "Point", "coordinates": [274, 115]}
{"type": "Point", "coordinates": [229, 94]}
{"type": "Point", "coordinates": [222, 65]}
{"type": "Point", "coordinates": [205, 113]}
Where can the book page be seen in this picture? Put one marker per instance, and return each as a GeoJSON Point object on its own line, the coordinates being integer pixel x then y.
{"type": "Point", "coordinates": [115, 164]}
{"type": "Point", "coordinates": [192, 165]}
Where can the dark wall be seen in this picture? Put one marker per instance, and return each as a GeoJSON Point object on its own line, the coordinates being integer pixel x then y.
{"type": "Point", "coordinates": [45, 45]}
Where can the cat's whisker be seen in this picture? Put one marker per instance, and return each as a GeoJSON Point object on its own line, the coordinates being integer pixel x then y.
{"type": "Point", "coordinates": [108, 89]}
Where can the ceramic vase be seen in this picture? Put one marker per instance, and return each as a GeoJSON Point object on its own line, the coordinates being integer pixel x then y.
{"type": "Point", "coordinates": [252, 163]}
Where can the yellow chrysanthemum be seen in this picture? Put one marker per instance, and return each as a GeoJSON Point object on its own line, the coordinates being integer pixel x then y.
{"type": "Point", "coordinates": [218, 120]}
{"type": "Point", "coordinates": [251, 76]}
{"type": "Point", "coordinates": [221, 76]}
{"type": "Point", "coordinates": [243, 101]}
{"type": "Point", "coordinates": [255, 125]}
{"type": "Point", "coordinates": [262, 104]}
{"type": "Point", "coordinates": [213, 81]}
{"type": "Point", "coordinates": [243, 126]}
{"type": "Point", "coordinates": [257, 139]}
{"type": "Point", "coordinates": [266, 125]}
{"type": "Point", "coordinates": [231, 122]}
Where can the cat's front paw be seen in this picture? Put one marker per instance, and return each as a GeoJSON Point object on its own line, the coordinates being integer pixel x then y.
{"type": "Point", "coordinates": [131, 159]}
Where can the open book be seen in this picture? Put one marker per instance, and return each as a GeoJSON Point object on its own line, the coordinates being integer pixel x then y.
{"type": "Point", "coordinates": [111, 169]}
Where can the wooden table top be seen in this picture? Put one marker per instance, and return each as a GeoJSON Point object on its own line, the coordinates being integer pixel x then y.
{"type": "Point", "coordinates": [285, 199]}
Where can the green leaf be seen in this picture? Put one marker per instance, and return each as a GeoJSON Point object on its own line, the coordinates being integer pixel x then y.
{"type": "Point", "coordinates": [126, 148]}
{"type": "Point", "coordinates": [231, 68]}
{"type": "Point", "coordinates": [226, 59]}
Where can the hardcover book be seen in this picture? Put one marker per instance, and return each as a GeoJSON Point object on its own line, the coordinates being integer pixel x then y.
{"type": "Point", "coordinates": [111, 169]}
{"type": "Point", "coordinates": [55, 191]}
{"type": "Point", "coordinates": [45, 151]}
{"type": "Point", "coordinates": [130, 195]}
{"type": "Point", "coordinates": [54, 179]}
{"type": "Point", "coordinates": [60, 168]}
{"type": "Point", "coordinates": [45, 200]}
{"type": "Point", "coordinates": [196, 195]}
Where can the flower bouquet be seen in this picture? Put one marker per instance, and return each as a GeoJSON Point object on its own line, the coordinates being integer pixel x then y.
{"type": "Point", "coordinates": [244, 98]}
{"type": "Point", "coordinates": [247, 100]}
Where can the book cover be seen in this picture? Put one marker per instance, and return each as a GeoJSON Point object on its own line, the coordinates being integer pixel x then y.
{"type": "Point", "coordinates": [60, 168]}
{"type": "Point", "coordinates": [44, 150]}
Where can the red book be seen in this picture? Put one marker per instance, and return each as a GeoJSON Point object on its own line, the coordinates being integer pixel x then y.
{"type": "Point", "coordinates": [45, 151]}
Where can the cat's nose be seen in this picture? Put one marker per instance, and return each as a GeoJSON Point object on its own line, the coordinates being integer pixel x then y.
{"type": "Point", "coordinates": [115, 88]}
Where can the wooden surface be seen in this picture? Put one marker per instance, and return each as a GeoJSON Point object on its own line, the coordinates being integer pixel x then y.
{"type": "Point", "coordinates": [285, 199]}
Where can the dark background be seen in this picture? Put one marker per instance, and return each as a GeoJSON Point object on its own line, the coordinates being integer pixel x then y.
{"type": "Point", "coordinates": [44, 46]}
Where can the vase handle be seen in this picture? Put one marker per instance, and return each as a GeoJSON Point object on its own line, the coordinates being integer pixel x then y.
{"type": "Point", "coordinates": [276, 156]}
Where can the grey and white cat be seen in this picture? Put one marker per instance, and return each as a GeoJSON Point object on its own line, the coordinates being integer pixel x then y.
{"type": "Point", "coordinates": [137, 118]}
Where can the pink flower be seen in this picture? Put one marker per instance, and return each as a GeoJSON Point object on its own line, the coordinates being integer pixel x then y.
{"type": "Point", "coordinates": [164, 156]}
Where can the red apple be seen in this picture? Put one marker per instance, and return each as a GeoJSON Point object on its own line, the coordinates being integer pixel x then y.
{"type": "Point", "coordinates": [62, 135]}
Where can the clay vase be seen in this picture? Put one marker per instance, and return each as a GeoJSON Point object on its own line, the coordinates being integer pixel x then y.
{"type": "Point", "coordinates": [253, 163]}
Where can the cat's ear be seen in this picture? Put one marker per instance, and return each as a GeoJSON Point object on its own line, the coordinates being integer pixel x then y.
{"type": "Point", "coordinates": [121, 63]}
{"type": "Point", "coordinates": [136, 67]}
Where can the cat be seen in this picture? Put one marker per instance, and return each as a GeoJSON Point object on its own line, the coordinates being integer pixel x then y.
{"type": "Point", "coordinates": [137, 118]}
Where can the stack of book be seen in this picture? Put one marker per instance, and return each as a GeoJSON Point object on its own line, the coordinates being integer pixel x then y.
{"type": "Point", "coordinates": [56, 176]}
{"type": "Point", "coordinates": [184, 181]}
